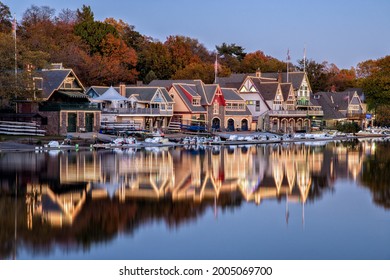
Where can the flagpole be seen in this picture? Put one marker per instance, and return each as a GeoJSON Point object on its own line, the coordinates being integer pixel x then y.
{"type": "Point", "coordinates": [16, 58]}
{"type": "Point", "coordinates": [216, 68]}
{"type": "Point", "coordinates": [304, 59]}
{"type": "Point", "coordinates": [288, 61]}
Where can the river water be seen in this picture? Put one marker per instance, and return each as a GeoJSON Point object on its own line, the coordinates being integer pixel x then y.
{"type": "Point", "coordinates": [294, 201]}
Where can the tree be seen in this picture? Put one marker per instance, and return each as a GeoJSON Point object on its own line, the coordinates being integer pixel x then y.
{"type": "Point", "coordinates": [127, 33]}
{"type": "Point", "coordinates": [258, 60]}
{"type": "Point", "coordinates": [197, 70]}
{"type": "Point", "coordinates": [377, 89]}
{"type": "Point", "coordinates": [35, 14]}
{"type": "Point", "coordinates": [11, 85]}
{"type": "Point", "coordinates": [67, 16]}
{"type": "Point", "coordinates": [155, 56]}
{"type": "Point", "coordinates": [231, 56]}
{"type": "Point", "coordinates": [115, 64]}
{"type": "Point", "coordinates": [231, 50]}
{"type": "Point", "coordinates": [150, 77]}
{"type": "Point", "coordinates": [317, 74]}
{"type": "Point", "coordinates": [5, 18]}
{"type": "Point", "coordinates": [180, 50]}
{"type": "Point", "coordinates": [92, 32]}
{"type": "Point", "coordinates": [366, 68]}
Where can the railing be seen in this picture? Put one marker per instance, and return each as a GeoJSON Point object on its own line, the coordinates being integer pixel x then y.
{"type": "Point", "coordinates": [296, 113]}
{"type": "Point", "coordinates": [139, 111]}
{"type": "Point", "coordinates": [357, 115]}
{"type": "Point", "coordinates": [289, 113]}
{"type": "Point", "coordinates": [68, 106]}
{"type": "Point", "coordinates": [315, 113]}
{"type": "Point", "coordinates": [303, 103]}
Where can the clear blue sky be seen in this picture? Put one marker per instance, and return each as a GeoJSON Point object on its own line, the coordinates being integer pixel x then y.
{"type": "Point", "coordinates": [338, 31]}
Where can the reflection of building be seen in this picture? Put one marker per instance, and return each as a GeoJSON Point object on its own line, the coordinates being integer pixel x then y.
{"type": "Point", "coordinates": [295, 173]}
{"type": "Point", "coordinates": [56, 206]}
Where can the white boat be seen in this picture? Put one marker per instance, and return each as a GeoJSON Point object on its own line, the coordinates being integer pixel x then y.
{"type": "Point", "coordinates": [56, 145]}
{"type": "Point", "coordinates": [232, 138]}
{"type": "Point", "coordinates": [318, 136]}
{"type": "Point", "coordinates": [372, 133]}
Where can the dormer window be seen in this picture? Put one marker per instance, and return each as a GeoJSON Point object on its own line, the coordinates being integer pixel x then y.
{"type": "Point", "coordinates": [196, 102]}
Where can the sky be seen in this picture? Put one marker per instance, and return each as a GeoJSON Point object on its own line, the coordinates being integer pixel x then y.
{"type": "Point", "coordinates": [343, 32]}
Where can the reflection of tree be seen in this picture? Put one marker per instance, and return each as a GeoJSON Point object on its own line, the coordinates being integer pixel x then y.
{"type": "Point", "coordinates": [376, 175]}
{"type": "Point", "coordinates": [100, 220]}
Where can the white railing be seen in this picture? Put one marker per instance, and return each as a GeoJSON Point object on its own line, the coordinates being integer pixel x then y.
{"type": "Point", "coordinates": [139, 111]}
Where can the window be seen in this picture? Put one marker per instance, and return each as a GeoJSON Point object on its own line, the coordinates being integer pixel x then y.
{"type": "Point", "coordinates": [241, 106]}
{"type": "Point", "coordinates": [257, 105]}
{"type": "Point", "coordinates": [162, 106]}
{"type": "Point", "coordinates": [38, 83]}
{"type": "Point", "coordinates": [216, 108]}
{"type": "Point", "coordinates": [196, 102]}
{"type": "Point", "coordinates": [68, 83]}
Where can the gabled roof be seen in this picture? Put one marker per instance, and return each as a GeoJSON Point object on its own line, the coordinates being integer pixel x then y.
{"type": "Point", "coordinates": [52, 80]}
{"type": "Point", "coordinates": [268, 90]}
{"type": "Point", "coordinates": [210, 91]}
{"type": "Point", "coordinates": [286, 88]}
{"type": "Point", "coordinates": [110, 95]}
{"type": "Point", "coordinates": [98, 90]}
{"type": "Point", "coordinates": [330, 103]}
{"type": "Point", "coordinates": [296, 78]}
{"type": "Point", "coordinates": [146, 94]}
{"type": "Point", "coordinates": [231, 94]}
{"type": "Point", "coordinates": [168, 83]}
{"type": "Point", "coordinates": [233, 81]}
{"type": "Point", "coordinates": [186, 92]}
{"type": "Point", "coordinates": [236, 80]}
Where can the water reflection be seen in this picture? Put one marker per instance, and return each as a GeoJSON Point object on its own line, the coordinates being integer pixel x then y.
{"type": "Point", "coordinates": [77, 199]}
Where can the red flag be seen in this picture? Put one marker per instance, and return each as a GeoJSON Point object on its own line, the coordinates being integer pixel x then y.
{"type": "Point", "coordinates": [216, 64]}
{"type": "Point", "coordinates": [14, 28]}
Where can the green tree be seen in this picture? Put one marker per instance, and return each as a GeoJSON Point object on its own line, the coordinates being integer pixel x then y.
{"type": "Point", "coordinates": [92, 32]}
{"type": "Point", "coordinates": [377, 85]}
{"type": "Point", "coordinates": [5, 18]}
{"type": "Point", "coordinates": [197, 70]}
{"type": "Point", "coordinates": [317, 74]}
{"type": "Point", "coordinates": [150, 77]}
{"type": "Point", "coordinates": [155, 56]}
{"type": "Point", "coordinates": [231, 56]}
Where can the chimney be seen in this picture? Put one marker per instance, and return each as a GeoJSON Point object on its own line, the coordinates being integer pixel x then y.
{"type": "Point", "coordinates": [333, 88]}
{"type": "Point", "coordinates": [258, 73]}
{"type": "Point", "coordinates": [279, 77]}
{"type": "Point", "coordinates": [122, 89]}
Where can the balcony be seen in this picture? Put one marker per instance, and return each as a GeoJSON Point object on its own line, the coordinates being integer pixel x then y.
{"type": "Point", "coordinates": [295, 113]}
{"type": "Point", "coordinates": [315, 113]}
{"type": "Point", "coordinates": [138, 111]}
{"type": "Point", "coordinates": [68, 106]}
{"type": "Point", "coordinates": [356, 115]}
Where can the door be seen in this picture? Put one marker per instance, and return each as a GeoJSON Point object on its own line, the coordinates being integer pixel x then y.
{"type": "Point", "coordinates": [216, 124]}
{"type": "Point", "coordinates": [231, 125]}
{"type": "Point", "coordinates": [72, 120]}
{"type": "Point", "coordinates": [89, 122]}
{"type": "Point", "coordinates": [244, 125]}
